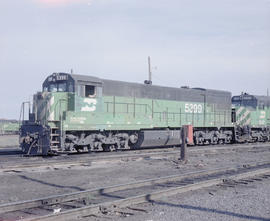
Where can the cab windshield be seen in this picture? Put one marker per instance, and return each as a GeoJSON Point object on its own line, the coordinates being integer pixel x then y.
{"type": "Point", "coordinates": [246, 101]}
{"type": "Point", "coordinates": [56, 87]}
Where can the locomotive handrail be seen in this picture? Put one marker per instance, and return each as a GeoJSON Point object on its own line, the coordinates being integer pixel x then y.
{"type": "Point", "coordinates": [136, 104]}
{"type": "Point", "coordinates": [21, 118]}
{"type": "Point", "coordinates": [219, 116]}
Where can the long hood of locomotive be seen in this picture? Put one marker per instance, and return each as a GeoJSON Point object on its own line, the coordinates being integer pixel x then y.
{"type": "Point", "coordinates": [123, 113]}
{"type": "Point", "coordinates": [127, 113]}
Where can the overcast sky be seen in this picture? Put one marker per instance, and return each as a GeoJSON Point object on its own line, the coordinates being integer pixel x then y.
{"type": "Point", "coordinates": [218, 44]}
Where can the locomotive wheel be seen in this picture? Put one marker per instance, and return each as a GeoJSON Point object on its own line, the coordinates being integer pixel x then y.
{"type": "Point", "coordinates": [109, 147]}
{"type": "Point", "coordinates": [221, 141]}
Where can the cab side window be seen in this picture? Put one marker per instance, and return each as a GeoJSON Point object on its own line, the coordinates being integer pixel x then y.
{"type": "Point", "coordinates": [90, 91]}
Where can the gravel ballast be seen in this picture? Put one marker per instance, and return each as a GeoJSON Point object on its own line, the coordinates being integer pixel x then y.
{"type": "Point", "coordinates": [9, 141]}
{"type": "Point", "coordinates": [35, 183]}
{"type": "Point", "coordinates": [242, 202]}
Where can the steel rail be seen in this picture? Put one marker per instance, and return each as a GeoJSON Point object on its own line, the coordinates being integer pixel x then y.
{"type": "Point", "coordinates": [88, 210]}
{"type": "Point", "coordinates": [159, 148]}
{"type": "Point", "coordinates": [84, 194]}
{"type": "Point", "coordinates": [94, 159]}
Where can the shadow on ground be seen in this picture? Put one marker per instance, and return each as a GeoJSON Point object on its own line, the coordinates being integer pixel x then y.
{"type": "Point", "coordinates": [51, 184]}
{"type": "Point", "coordinates": [207, 210]}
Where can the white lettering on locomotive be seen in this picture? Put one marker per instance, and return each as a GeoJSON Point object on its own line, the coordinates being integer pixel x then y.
{"type": "Point", "coordinates": [193, 108]}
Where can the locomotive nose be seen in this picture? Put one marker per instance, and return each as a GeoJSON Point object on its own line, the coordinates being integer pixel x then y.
{"type": "Point", "coordinates": [34, 139]}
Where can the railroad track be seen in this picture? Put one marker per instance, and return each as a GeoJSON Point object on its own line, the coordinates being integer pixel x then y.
{"type": "Point", "coordinates": [86, 203]}
{"type": "Point", "coordinates": [145, 154]}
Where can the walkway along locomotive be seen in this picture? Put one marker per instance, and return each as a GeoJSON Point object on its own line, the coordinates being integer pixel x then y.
{"type": "Point", "coordinates": [84, 113]}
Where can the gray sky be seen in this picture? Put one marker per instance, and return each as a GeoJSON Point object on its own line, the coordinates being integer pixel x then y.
{"type": "Point", "coordinates": [218, 44]}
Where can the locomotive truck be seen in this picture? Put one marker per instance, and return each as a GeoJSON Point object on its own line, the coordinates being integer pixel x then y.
{"type": "Point", "coordinates": [76, 113]}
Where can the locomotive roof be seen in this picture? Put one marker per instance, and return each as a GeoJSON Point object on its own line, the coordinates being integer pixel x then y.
{"type": "Point", "coordinates": [86, 78]}
{"type": "Point", "coordinates": [260, 98]}
{"type": "Point", "coordinates": [220, 99]}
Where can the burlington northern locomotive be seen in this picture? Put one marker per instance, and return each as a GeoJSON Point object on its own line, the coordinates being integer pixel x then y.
{"type": "Point", "coordinates": [84, 113]}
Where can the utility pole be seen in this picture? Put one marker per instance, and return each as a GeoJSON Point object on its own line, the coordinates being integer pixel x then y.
{"type": "Point", "coordinates": [267, 92]}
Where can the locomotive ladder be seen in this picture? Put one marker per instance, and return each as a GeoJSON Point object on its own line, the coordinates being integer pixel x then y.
{"type": "Point", "coordinates": [55, 136]}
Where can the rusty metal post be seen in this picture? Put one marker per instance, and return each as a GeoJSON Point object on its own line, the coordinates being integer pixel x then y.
{"type": "Point", "coordinates": [183, 149]}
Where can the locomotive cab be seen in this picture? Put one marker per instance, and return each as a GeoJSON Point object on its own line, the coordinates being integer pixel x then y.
{"type": "Point", "coordinates": [63, 82]}
{"type": "Point", "coordinates": [62, 95]}
{"type": "Point", "coordinates": [245, 100]}
{"type": "Point", "coordinates": [58, 82]}
{"type": "Point", "coordinates": [41, 134]}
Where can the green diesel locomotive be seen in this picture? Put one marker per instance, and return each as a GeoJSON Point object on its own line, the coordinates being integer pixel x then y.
{"type": "Point", "coordinates": [84, 113]}
{"type": "Point", "coordinates": [251, 116]}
